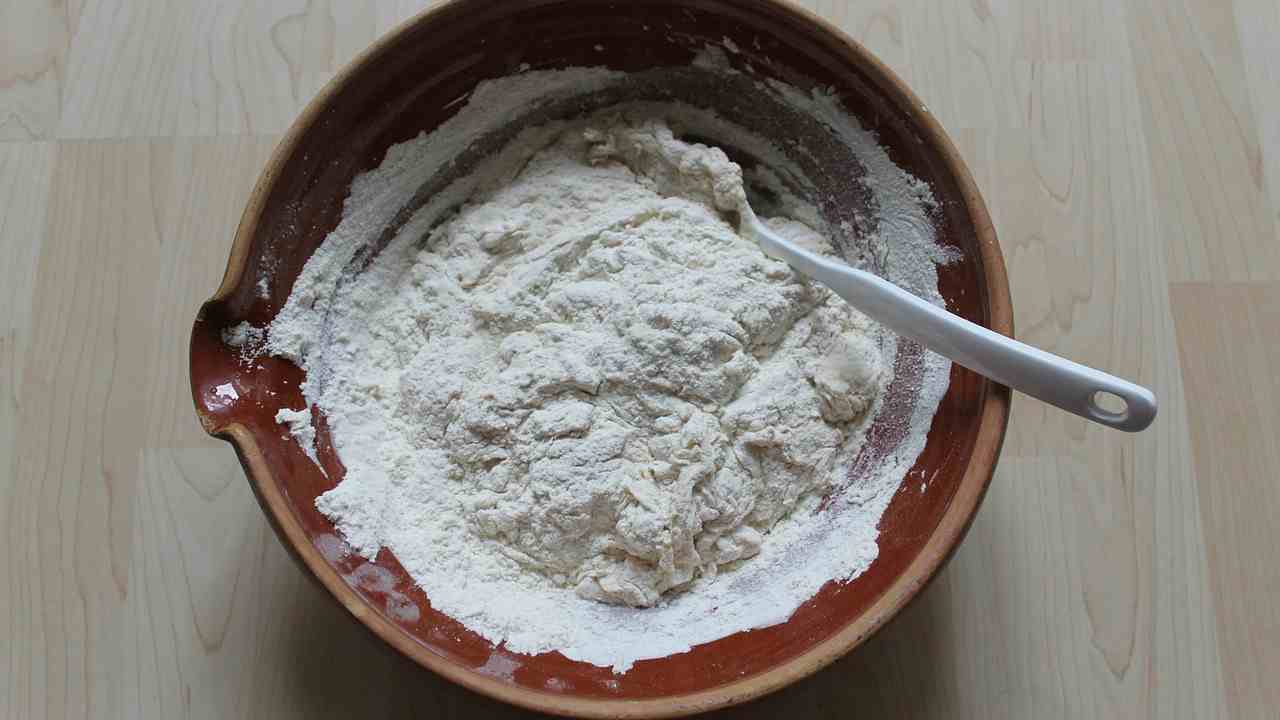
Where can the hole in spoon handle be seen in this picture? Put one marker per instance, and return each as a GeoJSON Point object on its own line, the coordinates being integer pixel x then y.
{"type": "Point", "coordinates": [1124, 408]}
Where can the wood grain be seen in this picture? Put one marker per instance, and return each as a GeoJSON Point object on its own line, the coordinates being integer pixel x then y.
{"type": "Point", "coordinates": [192, 68]}
{"type": "Point", "coordinates": [26, 171]}
{"type": "Point", "coordinates": [1258, 26]}
{"type": "Point", "coordinates": [1130, 155]}
{"type": "Point", "coordinates": [1060, 193]}
{"type": "Point", "coordinates": [33, 42]}
{"type": "Point", "coordinates": [1232, 334]}
{"type": "Point", "coordinates": [1206, 159]}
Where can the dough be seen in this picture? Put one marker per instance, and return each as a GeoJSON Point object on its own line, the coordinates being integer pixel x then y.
{"type": "Point", "coordinates": [628, 393]}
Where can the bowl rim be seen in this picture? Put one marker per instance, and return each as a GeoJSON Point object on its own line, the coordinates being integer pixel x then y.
{"type": "Point", "coordinates": [959, 514]}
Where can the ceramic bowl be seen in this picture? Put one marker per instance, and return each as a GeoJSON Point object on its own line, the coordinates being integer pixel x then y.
{"type": "Point", "coordinates": [403, 85]}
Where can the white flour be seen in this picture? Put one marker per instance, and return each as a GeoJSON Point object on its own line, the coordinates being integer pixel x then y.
{"type": "Point", "coordinates": [243, 335]}
{"type": "Point", "coordinates": [586, 388]}
{"type": "Point", "coordinates": [299, 424]}
{"type": "Point", "coordinates": [246, 339]}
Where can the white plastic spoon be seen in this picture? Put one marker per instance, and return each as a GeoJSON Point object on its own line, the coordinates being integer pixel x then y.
{"type": "Point", "coordinates": [1071, 386]}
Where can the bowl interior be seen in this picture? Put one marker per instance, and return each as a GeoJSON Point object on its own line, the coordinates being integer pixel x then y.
{"type": "Point", "coordinates": [405, 85]}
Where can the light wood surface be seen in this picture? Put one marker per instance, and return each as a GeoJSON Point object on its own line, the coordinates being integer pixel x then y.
{"type": "Point", "coordinates": [1130, 155]}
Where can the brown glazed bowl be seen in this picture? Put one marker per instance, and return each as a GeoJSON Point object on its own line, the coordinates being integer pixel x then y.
{"type": "Point", "coordinates": [403, 85]}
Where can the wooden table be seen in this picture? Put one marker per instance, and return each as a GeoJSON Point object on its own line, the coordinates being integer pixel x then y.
{"type": "Point", "coordinates": [1129, 152]}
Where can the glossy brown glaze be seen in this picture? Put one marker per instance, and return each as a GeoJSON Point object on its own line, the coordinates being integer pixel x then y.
{"type": "Point", "coordinates": [403, 85]}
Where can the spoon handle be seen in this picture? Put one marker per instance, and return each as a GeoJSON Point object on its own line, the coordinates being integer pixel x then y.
{"type": "Point", "coordinates": [1069, 385]}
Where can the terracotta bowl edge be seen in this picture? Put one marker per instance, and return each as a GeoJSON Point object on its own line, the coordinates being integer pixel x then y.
{"type": "Point", "coordinates": [960, 513]}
